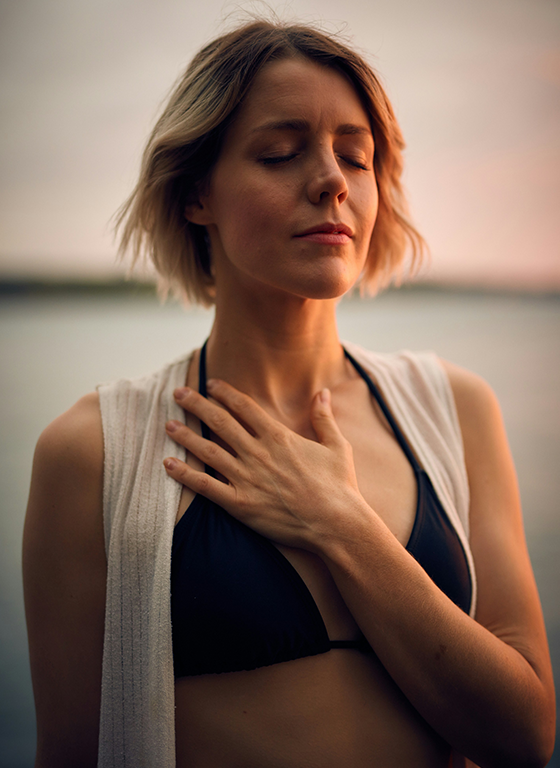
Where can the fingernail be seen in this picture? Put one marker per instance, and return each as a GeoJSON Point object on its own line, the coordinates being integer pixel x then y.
{"type": "Point", "coordinates": [171, 426]}
{"type": "Point", "coordinates": [325, 396]}
{"type": "Point", "coordinates": [211, 383]}
{"type": "Point", "coordinates": [181, 392]}
{"type": "Point", "coordinates": [169, 463]}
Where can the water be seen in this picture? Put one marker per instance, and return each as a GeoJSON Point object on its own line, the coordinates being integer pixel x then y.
{"type": "Point", "coordinates": [54, 349]}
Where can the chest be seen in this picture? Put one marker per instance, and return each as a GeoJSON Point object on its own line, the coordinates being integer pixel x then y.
{"type": "Point", "coordinates": [385, 478]}
{"type": "Point", "coordinates": [387, 482]}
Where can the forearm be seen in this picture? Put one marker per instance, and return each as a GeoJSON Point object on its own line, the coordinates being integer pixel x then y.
{"type": "Point", "coordinates": [477, 691]}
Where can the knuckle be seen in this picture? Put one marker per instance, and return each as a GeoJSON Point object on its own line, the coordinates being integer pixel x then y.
{"type": "Point", "coordinates": [219, 420]}
{"type": "Point", "coordinates": [240, 403]}
{"type": "Point", "coordinates": [237, 475]}
{"type": "Point", "coordinates": [242, 503]}
{"type": "Point", "coordinates": [212, 450]}
{"type": "Point", "coordinates": [279, 435]}
{"type": "Point", "coordinates": [203, 482]}
{"type": "Point", "coordinates": [262, 456]}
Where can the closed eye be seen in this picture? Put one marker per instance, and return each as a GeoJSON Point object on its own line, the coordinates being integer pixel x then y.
{"type": "Point", "coordinates": [277, 160]}
{"type": "Point", "coordinates": [355, 163]}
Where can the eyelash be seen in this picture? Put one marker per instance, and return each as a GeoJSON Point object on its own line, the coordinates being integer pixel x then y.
{"type": "Point", "coordinates": [277, 160]}
{"type": "Point", "coordinates": [287, 158]}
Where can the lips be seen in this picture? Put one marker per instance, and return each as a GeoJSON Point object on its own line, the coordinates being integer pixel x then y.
{"type": "Point", "coordinates": [328, 228]}
{"type": "Point", "coordinates": [330, 233]}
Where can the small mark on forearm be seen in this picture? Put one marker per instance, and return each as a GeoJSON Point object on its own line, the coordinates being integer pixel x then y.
{"type": "Point", "coordinates": [441, 652]}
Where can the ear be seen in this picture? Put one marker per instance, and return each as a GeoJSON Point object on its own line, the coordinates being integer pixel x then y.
{"type": "Point", "coordinates": [198, 212]}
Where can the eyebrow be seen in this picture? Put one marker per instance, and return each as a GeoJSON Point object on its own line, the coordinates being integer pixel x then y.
{"type": "Point", "coordinates": [301, 126]}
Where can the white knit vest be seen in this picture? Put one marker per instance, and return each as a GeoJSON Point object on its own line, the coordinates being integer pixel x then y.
{"type": "Point", "coordinates": [140, 506]}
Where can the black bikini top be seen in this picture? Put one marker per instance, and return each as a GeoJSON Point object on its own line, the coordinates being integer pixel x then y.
{"type": "Point", "coordinates": [237, 603]}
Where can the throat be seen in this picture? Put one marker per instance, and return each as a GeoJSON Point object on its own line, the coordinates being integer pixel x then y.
{"type": "Point", "coordinates": [282, 379]}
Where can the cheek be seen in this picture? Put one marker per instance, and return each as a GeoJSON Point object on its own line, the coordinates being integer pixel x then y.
{"type": "Point", "coordinates": [367, 208]}
{"type": "Point", "coordinates": [250, 214]}
{"type": "Point", "coordinates": [372, 205]}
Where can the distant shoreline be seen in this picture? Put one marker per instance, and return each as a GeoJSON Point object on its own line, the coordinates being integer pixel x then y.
{"type": "Point", "coordinates": [23, 287]}
{"type": "Point", "coordinates": [13, 287]}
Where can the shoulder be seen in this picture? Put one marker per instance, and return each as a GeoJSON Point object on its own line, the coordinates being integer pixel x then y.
{"type": "Point", "coordinates": [473, 395]}
{"type": "Point", "coordinates": [478, 411]}
{"type": "Point", "coordinates": [83, 417]}
{"type": "Point", "coordinates": [66, 493]}
{"type": "Point", "coordinates": [488, 460]}
{"type": "Point", "coordinates": [72, 445]}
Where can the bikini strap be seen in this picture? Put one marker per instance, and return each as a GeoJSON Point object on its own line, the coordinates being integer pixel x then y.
{"type": "Point", "coordinates": [387, 413]}
{"type": "Point", "coordinates": [202, 391]}
{"type": "Point", "coordinates": [365, 376]}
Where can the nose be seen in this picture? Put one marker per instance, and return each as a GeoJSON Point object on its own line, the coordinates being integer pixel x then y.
{"type": "Point", "coordinates": [327, 181]}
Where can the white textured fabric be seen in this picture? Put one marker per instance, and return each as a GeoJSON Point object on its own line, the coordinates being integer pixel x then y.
{"type": "Point", "coordinates": [140, 507]}
{"type": "Point", "coordinates": [140, 502]}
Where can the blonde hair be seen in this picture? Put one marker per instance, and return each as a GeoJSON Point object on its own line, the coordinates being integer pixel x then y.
{"type": "Point", "coordinates": [186, 141]}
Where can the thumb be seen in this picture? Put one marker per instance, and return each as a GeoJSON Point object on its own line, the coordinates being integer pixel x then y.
{"type": "Point", "coordinates": [322, 419]}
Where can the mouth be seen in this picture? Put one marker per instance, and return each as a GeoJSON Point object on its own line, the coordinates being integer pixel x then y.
{"type": "Point", "coordinates": [328, 228]}
{"type": "Point", "coordinates": [329, 233]}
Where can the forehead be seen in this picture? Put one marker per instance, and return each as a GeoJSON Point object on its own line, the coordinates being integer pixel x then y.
{"type": "Point", "coordinates": [297, 88]}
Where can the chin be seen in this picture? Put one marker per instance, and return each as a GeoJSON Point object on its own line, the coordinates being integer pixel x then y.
{"type": "Point", "coordinates": [326, 286]}
{"type": "Point", "coordinates": [321, 291]}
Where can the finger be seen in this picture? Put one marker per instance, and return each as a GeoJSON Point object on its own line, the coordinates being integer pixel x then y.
{"type": "Point", "coordinates": [323, 421]}
{"type": "Point", "coordinates": [241, 405]}
{"type": "Point", "coordinates": [216, 418]}
{"type": "Point", "coordinates": [208, 452]}
{"type": "Point", "coordinates": [200, 482]}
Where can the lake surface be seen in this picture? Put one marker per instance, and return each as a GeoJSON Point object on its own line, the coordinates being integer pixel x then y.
{"type": "Point", "coordinates": [53, 349]}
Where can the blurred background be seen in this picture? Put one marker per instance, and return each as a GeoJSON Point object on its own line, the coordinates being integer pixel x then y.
{"type": "Point", "coordinates": [476, 87]}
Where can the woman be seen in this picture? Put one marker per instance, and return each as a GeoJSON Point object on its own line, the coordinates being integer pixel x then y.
{"type": "Point", "coordinates": [313, 516]}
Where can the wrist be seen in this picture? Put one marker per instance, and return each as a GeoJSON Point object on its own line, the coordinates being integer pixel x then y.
{"type": "Point", "coordinates": [348, 521]}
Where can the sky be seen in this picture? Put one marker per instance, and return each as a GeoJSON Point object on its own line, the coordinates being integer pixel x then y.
{"type": "Point", "coordinates": [475, 85]}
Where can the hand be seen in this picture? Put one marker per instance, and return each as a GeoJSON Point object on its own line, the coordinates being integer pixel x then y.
{"type": "Point", "coordinates": [284, 486]}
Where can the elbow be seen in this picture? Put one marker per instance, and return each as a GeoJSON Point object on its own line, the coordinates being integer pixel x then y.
{"type": "Point", "coordinates": [543, 734]}
{"type": "Point", "coordinates": [528, 743]}
{"type": "Point", "coordinates": [541, 750]}
{"type": "Point", "coordinates": [536, 754]}
{"type": "Point", "coordinates": [535, 749]}
{"type": "Point", "coordinates": [536, 731]}
{"type": "Point", "coordinates": [536, 758]}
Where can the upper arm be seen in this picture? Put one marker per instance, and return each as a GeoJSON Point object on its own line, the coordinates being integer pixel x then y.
{"type": "Point", "coordinates": [64, 569]}
{"type": "Point", "coordinates": [508, 603]}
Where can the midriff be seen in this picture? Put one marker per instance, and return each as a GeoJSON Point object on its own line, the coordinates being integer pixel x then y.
{"type": "Point", "coordinates": [334, 710]}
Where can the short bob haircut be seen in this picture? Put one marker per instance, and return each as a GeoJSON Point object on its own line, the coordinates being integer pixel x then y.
{"type": "Point", "coordinates": [185, 144]}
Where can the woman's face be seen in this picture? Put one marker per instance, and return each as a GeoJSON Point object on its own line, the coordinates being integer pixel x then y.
{"type": "Point", "coordinates": [292, 199]}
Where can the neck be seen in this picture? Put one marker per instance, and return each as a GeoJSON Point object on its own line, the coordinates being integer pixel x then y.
{"type": "Point", "coordinates": [280, 351]}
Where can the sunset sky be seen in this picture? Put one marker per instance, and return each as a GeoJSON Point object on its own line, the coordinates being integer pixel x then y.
{"type": "Point", "coordinates": [476, 86]}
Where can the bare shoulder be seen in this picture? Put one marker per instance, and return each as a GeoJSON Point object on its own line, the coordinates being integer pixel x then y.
{"type": "Point", "coordinates": [67, 479]}
{"type": "Point", "coordinates": [488, 460]}
{"type": "Point", "coordinates": [473, 395]}
{"type": "Point", "coordinates": [74, 440]}
{"type": "Point", "coordinates": [480, 417]}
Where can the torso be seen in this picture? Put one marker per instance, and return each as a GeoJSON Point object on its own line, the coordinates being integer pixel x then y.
{"type": "Point", "coordinates": [338, 708]}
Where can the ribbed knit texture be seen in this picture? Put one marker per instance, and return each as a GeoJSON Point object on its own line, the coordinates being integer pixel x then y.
{"type": "Point", "coordinates": [140, 507]}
